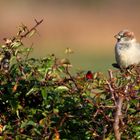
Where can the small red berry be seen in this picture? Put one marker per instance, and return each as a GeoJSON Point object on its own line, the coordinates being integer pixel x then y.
{"type": "Point", "coordinates": [89, 75]}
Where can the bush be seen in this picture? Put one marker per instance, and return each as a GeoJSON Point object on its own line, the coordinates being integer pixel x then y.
{"type": "Point", "coordinates": [41, 99]}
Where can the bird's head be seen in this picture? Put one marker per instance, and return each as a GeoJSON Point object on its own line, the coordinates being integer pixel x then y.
{"type": "Point", "coordinates": [125, 36]}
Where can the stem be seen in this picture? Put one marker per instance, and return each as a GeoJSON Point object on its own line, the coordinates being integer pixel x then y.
{"type": "Point", "coordinates": [117, 119]}
{"type": "Point", "coordinates": [29, 31]}
{"type": "Point", "coordinates": [72, 79]}
{"type": "Point", "coordinates": [112, 92]}
{"type": "Point", "coordinates": [110, 84]}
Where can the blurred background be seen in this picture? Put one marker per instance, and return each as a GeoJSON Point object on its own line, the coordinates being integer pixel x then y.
{"type": "Point", "coordinates": [86, 26]}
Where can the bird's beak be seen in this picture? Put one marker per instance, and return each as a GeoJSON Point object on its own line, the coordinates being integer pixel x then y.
{"type": "Point", "coordinates": [117, 37]}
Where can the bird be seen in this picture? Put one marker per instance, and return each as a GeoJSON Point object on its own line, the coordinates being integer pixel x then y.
{"type": "Point", "coordinates": [127, 49]}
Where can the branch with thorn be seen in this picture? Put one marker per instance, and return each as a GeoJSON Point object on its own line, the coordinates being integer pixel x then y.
{"type": "Point", "coordinates": [20, 36]}
{"type": "Point", "coordinates": [30, 30]}
{"type": "Point", "coordinates": [118, 99]}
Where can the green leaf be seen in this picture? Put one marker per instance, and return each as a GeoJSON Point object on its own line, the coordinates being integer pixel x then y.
{"type": "Point", "coordinates": [31, 123]}
{"type": "Point", "coordinates": [134, 101]}
{"type": "Point", "coordinates": [132, 110]}
{"type": "Point", "coordinates": [61, 89]}
{"type": "Point", "coordinates": [26, 123]}
{"type": "Point", "coordinates": [138, 135]}
{"type": "Point", "coordinates": [32, 90]}
{"type": "Point", "coordinates": [37, 131]}
{"type": "Point", "coordinates": [16, 44]}
{"type": "Point", "coordinates": [55, 110]}
{"type": "Point", "coordinates": [14, 104]}
{"type": "Point", "coordinates": [32, 33]}
{"type": "Point", "coordinates": [103, 96]}
{"type": "Point", "coordinates": [44, 93]}
{"type": "Point", "coordinates": [136, 128]}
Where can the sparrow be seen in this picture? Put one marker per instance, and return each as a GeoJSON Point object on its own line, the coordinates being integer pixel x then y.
{"type": "Point", "coordinates": [127, 49]}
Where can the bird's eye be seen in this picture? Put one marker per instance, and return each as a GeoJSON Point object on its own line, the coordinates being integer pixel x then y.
{"type": "Point", "coordinates": [122, 36]}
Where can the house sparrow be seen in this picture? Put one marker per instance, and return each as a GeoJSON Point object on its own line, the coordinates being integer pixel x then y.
{"type": "Point", "coordinates": [127, 49]}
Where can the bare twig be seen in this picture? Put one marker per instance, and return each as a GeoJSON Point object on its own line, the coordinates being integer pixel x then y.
{"type": "Point", "coordinates": [63, 119]}
{"type": "Point", "coordinates": [118, 101]}
{"type": "Point", "coordinates": [72, 79]}
{"type": "Point", "coordinates": [30, 30]}
{"type": "Point", "coordinates": [27, 55]}
{"type": "Point", "coordinates": [118, 118]}
{"type": "Point", "coordinates": [104, 132]}
{"type": "Point", "coordinates": [112, 92]}
{"type": "Point", "coordinates": [110, 73]}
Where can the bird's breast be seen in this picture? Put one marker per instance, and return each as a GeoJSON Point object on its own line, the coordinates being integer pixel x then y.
{"type": "Point", "coordinates": [127, 55]}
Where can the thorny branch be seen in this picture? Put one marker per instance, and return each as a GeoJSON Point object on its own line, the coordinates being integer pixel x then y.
{"type": "Point", "coordinates": [118, 100]}
{"type": "Point", "coordinates": [20, 36]}
{"type": "Point", "coordinates": [118, 118]}
{"type": "Point", "coordinates": [9, 42]}
{"type": "Point", "coordinates": [29, 31]}
{"type": "Point", "coordinates": [111, 91]}
{"type": "Point", "coordinates": [110, 86]}
{"type": "Point", "coordinates": [72, 79]}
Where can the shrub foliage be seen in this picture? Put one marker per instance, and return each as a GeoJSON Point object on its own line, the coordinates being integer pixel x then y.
{"type": "Point", "coordinates": [41, 99]}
